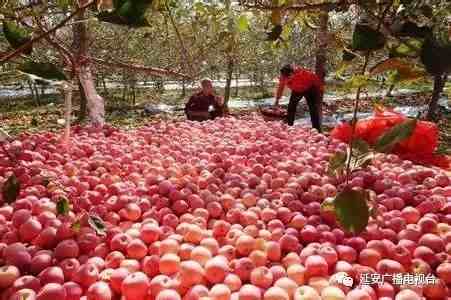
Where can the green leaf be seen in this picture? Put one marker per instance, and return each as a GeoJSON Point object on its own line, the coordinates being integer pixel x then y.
{"type": "Point", "coordinates": [131, 13]}
{"type": "Point", "coordinates": [97, 224]}
{"type": "Point", "coordinates": [341, 70]}
{"type": "Point", "coordinates": [348, 56]}
{"type": "Point", "coordinates": [27, 296]}
{"type": "Point", "coordinates": [374, 211]}
{"type": "Point", "coordinates": [361, 161]}
{"type": "Point", "coordinates": [356, 81]}
{"type": "Point", "coordinates": [366, 38]}
{"type": "Point", "coordinates": [395, 135]}
{"type": "Point", "coordinates": [361, 157]}
{"type": "Point", "coordinates": [17, 36]}
{"type": "Point", "coordinates": [275, 33]}
{"type": "Point", "coordinates": [46, 71]}
{"type": "Point", "coordinates": [63, 3]}
{"type": "Point", "coordinates": [242, 23]}
{"type": "Point", "coordinates": [360, 146]}
{"type": "Point", "coordinates": [337, 163]}
{"type": "Point", "coordinates": [409, 48]}
{"type": "Point", "coordinates": [11, 189]}
{"type": "Point", "coordinates": [328, 205]}
{"type": "Point", "coordinates": [76, 226]}
{"type": "Point", "coordinates": [309, 23]}
{"type": "Point", "coordinates": [351, 209]}
{"type": "Point", "coordinates": [62, 206]}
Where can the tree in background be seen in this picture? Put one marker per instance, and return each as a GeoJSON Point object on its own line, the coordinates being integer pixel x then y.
{"type": "Point", "coordinates": [37, 25]}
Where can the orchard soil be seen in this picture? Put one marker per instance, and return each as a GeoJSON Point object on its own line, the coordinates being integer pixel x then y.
{"type": "Point", "coordinates": [22, 115]}
{"type": "Point", "coordinates": [159, 208]}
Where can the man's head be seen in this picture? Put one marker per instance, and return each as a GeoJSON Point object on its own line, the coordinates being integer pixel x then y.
{"type": "Point", "coordinates": [207, 86]}
{"type": "Point", "coordinates": [287, 70]}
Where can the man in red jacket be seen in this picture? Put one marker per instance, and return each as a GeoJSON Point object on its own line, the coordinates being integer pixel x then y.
{"type": "Point", "coordinates": [302, 83]}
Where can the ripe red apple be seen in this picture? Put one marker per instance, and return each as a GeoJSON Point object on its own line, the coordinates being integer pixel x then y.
{"type": "Point", "coordinates": [369, 257]}
{"type": "Point", "coordinates": [51, 291]}
{"type": "Point", "coordinates": [444, 272]}
{"type": "Point", "coordinates": [243, 268]}
{"type": "Point", "coordinates": [73, 290]}
{"type": "Point", "coordinates": [432, 241]}
{"type": "Point", "coordinates": [358, 294]}
{"type": "Point", "coordinates": [67, 249]}
{"type": "Point", "coordinates": [99, 291]}
{"type": "Point", "coordinates": [86, 275]}
{"type": "Point", "coordinates": [250, 292]}
{"type": "Point", "coordinates": [39, 262]}
{"type": "Point", "coordinates": [316, 265]}
{"type": "Point", "coordinates": [436, 290]}
{"type": "Point", "coordinates": [135, 286]}
{"type": "Point", "coordinates": [30, 229]}
{"type": "Point", "coordinates": [27, 282]}
{"type": "Point", "coordinates": [426, 254]}
{"type": "Point", "coordinates": [53, 274]}
{"type": "Point", "coordinates": [346, 253]}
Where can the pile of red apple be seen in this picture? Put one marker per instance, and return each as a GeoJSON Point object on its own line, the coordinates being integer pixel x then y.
{"type": "Point", "coordinates": [226, 209]}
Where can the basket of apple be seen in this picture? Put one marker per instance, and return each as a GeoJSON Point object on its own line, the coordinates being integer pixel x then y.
{"type": "Point", "coordinates": [273, 113]}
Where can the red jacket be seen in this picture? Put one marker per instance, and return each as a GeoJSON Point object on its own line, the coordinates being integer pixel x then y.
{"type": "Point", "coordinates": [300, 81]}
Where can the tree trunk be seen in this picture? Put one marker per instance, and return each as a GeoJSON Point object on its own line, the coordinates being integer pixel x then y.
{"type": "Point", "coordinates": [33, 96]}
{"type": "Point", "coordinates": [237, 83]}
{"type": "Point", "coordinates": [262, 83]}
{"type": "Point", "coordinates": [321, 51]}
{"type": "Point", "coordinates": [95, 103]}
{"type": "Point", "coordinates": [183, 88]}
{"type": "Point", "coordinates": [133, 93]}
{"type": "Point", "coordinates": [83, 103]}
{"type": "Point", "coordinates": [321, 45]}
{"type": "Point", "coordinates": [439, 84]}
{"type": "Point", "coordinates": [67, 90]}
{"type": "Point", "coordinates": [228, 83]}
{"type": "Point", "coordinates": [124, 91]}
{"type": "Point", "coordinates": [105, 90]}
{"type": "Point", "coordinates": [36, 92]}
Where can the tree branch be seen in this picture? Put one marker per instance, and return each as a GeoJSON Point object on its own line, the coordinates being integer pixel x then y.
{"type": "Point", "coordinates": [320, 6]}
{"type": "Point", "coordinates": [140, 68]}
{"type": "Point", "coordinates": [185, 52]}
{"type": "Point", "coordinates": [19, 50]}
{"type": "Point", "coordinates": [66, 54]}
{"type": "Point", "coordinates": [29, 5]}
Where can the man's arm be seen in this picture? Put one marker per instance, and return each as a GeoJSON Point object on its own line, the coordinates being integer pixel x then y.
{"type": "Point", "coordinates": [219, 101]}
{"type": "Point", "coordinates": [218, 105]}
{"type": "Point", "coordinates": [189, 104]}
{"type": "Point", "coordinates": [280, 89]}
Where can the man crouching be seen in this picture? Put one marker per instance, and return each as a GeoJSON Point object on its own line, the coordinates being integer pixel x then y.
{"type": "Point", "coordinates": [204, 105]}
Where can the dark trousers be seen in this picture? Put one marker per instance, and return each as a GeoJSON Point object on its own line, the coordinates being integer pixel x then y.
{"type": "Point", "coordinates": [314, 99]}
